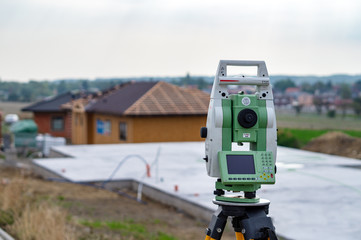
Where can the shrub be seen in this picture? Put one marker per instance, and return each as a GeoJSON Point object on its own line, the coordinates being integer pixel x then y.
{"type": "Point", "coordinates": [287, 139]}
{"type": "Point", "coordinates": [6, 217]}
{"type": "Point", "coordinates": [331, 113]}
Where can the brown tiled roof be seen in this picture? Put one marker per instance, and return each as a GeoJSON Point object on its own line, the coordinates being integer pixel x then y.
{"type": "Point", "coordinates": [55, 104]}
{"type": "Point", "coordinates": [151, 98]}
{"type": "Point", "coordinates": [168, 99]}
{"type": "Point", "coordinates": [119, 100]}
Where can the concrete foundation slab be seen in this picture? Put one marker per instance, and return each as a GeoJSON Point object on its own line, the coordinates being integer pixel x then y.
{"type": "Point", "coordinates": [316, 196]}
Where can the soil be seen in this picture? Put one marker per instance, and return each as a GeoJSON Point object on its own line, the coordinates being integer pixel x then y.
{"type": "Point", "coordinates": [86, 203]}
{"type": "Point", "coordinates": [336, 143]}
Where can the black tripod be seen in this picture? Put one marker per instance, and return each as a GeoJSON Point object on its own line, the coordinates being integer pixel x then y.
{"type": "Point", "coordinates": [249, 220]}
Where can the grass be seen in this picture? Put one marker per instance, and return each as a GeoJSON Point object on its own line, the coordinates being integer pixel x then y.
{"type": "Point", "coordinates": [29, 218]}
{"type": "Point", "coordinates": [128, 228]}
{"type": "Point", "coordinates": [317, 122]}
{"type": "Point", "coordinates": [297, 130]}
{"type": "Point", "coordinates": [41, 222]}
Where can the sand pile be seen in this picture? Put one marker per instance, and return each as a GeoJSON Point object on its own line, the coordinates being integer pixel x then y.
{"type": "Point", "coordinates": [336, 143]}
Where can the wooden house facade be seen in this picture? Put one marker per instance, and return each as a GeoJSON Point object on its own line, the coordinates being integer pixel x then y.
{"type": "Point", "coordinates": [133, 112]}
{"type": "Point", "coordinates": [140, 112]}
{"type": "Point", "coordinates": [52, 117]}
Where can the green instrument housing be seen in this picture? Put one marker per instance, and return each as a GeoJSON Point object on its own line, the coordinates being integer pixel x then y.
{"type": "Point", "coordinates": [232, 131]}
{"type": "Point", "coordinates": [244, 170]}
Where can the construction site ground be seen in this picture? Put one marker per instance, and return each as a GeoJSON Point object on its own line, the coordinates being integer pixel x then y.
{"type": "Point", "coordinates": [100, 214]}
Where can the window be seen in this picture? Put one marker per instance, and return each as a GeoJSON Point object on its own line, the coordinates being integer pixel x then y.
{"type": "Point", "coordinates": [103, 127]}
{"type": "Point", "coordinates": [123, 131]}
{"type": "Point", "coordinates": [57, 123]}
{"type": "Point", "coordinates": [107, 127]}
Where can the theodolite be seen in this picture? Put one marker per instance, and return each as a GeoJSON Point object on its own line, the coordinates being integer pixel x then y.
{"type": "Point", "coordinates": [238, 119]}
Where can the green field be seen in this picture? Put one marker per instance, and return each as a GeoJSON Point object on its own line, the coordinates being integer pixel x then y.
{"type": "Point", "coordinates": [314, 121]}
{"type": "Point", "coordinates": [297, 131]}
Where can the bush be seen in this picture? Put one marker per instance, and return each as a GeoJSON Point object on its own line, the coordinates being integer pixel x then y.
{"type": "Point", "coordinates": [331, 113]}
{"type": "Point", "coordinates": [6, 218]}
{"type": "Point", "coordinates": [287, 139]}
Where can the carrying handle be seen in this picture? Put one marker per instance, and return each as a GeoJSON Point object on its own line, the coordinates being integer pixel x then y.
{"type": "Point", "coordinates": [262, 78]}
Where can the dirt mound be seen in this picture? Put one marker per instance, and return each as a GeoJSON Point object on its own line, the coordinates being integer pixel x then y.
{"type": "Point", "coordinates": [336, 143]}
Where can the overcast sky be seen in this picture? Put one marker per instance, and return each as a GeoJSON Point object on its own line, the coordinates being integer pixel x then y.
{"type": "Point", "coordinates": [45, 39]}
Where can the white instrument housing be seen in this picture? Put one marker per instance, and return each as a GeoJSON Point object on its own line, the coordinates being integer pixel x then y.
{"type": "Point", "coordinates": [213, 142]}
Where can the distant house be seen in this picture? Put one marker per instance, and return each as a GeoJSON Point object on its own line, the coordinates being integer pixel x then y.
{"type": "Point", "coordinates": [131, 113]}
{"type": "Point", "coordinates": [293, 92]}
{"type": "Point", "coordinates": [51, 117]}
{"type": "Point", "coordinates": [281, 100]}
{"type": "Point", "coordinates": [140, 112]}
{"type": "Point", "coordinates": [305, 99]}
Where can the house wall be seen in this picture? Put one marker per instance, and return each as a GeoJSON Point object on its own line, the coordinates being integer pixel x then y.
{"type": "Point", "coordinates": [147, 129]}
{"type": "Point", "coordinates": [43, 120]}
{"type": "Point", "coordinates": [168, 128]}
{"type": "Point", "coordinates": [306, 100]}
{"type": "Point", "coordinates": [79, 128]}
{"type": "Point", "coordinates": [113, 137]}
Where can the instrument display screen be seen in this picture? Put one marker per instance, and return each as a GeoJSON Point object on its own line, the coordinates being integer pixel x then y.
{"type": "Point", "coordinates": [240, 164]}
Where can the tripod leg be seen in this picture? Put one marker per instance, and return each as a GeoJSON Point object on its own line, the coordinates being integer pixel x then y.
{"type": "Point", "coordinates": [254, 225]}
{"type": "Point", "coordinates": [237, 228]}
{"type": "Point", "coordinates": [216, 226]}
{"type": "Point", "coordinates": [239, 236]}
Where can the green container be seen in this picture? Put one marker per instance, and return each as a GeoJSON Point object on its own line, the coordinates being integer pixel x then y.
{"type": "Point", "coordinates": [25, 132]}
{"type": "Point", "coordinates": [24, 126]}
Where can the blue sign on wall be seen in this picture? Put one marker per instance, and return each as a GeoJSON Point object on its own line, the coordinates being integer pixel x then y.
{"type": "Point", "coordinates": [103, 127]}
{"type": "Point", "coordinates": [100, 126]}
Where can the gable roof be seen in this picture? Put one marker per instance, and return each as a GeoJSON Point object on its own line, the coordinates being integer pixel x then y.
{"type": "Point", "coordinates": [119, 100]}
{"type": "Point", "coordinates": [168, 99]}
{"type": "Point", "coordinates": [53, 104]}
{"type": "Point", "coordinates": [150, 99]}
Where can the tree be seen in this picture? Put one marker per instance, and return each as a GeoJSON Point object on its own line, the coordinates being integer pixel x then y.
{"type": "Point", "coordinates": [356, 105]}
{"type": "Point", "coordinates": [318, 103]}
{"type": "Point", "coordinates": [345, 93]}
{"type": "Point", "coordinates": [186, 80]}
{"type": "Point", "coordinates": [85, 84]}
{"type": "Point", "coordinates": [62, 88]}
{"type": "Point", "coordinates": [201, 83]}
{"type": "Point", "coordinates": [357, 85]}
{"type": "Point", "coordinates": [329, 85]}
{"type": "Point", "coordinates": [26, 94]}
{"type": "Point", "coordinates": [307, 87]}
{"type": "Point", "coordinates": [282, 85]}
{"type": "Point", "coordinates": [320, 86]}
{"type": "Point", "coordinates": [13, 97]}
{"type": "Point", "coordinates": [297, 106]}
